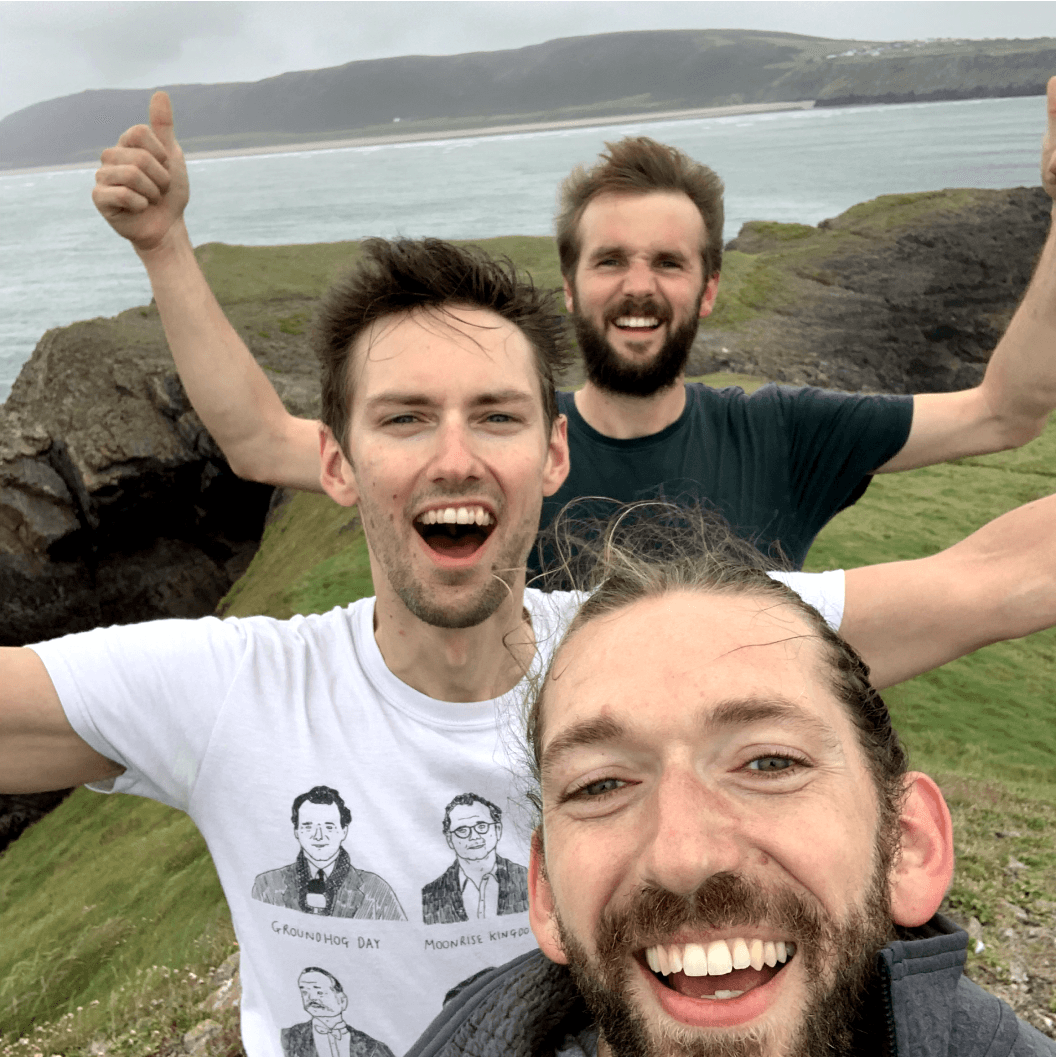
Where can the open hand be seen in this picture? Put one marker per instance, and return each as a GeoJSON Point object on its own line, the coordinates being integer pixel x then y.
{"type": "Point", "coordinates": [141, 187]}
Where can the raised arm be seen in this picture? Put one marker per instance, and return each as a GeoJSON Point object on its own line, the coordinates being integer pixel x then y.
{"type": "Point", "coordinates": [39, 750]}
{"type": "Point", "coordinates": [999, 583]}
{"type": "Point", "coordinates": [1018, 392]}
{"type": "Point", "coordinates": [142, 190]}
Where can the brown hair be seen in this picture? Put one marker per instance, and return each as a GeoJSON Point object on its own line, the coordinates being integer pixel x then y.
{"type": "Point", "coordinates": [649, 550]}
{"type": "Point", "coordinates": [638, 165]}
{"type": "Point", "coordinates": [408, 275]}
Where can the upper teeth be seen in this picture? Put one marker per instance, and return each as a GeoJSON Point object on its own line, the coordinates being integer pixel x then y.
{"type": "Point", "coordinates": [718, 957]}
{"type": "Point", "coordinates": [637, 321]}
{"type": "Point", "coordinates": [456, 515]}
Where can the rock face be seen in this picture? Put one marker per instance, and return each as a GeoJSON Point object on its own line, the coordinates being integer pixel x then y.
{"type": "Point", "coordinates": [906, 294]}
{"type": "Point", "coordinates": [115, 505]}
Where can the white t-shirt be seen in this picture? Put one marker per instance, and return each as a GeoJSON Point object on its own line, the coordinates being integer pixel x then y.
{"type": "Point", "coordinates": [232, 720]}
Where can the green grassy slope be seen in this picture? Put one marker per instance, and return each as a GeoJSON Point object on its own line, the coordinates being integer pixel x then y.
{"type": "Point", "coordinates": [110, 911]}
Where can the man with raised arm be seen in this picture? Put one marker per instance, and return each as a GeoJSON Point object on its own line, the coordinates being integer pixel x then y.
{"type": "Point", "coordinates": [442, 427]}
{"type": "Point", "coordinates": [640, 242]}
{"type": "Point", "coordinates": [731, 857]}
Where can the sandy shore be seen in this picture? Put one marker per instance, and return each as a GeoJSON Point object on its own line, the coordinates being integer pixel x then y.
{"type": "Point", "coordinates": [462, 133]}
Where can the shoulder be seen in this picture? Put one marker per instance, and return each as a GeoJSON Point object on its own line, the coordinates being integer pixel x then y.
{"type": "Point", "coordinates": [275, 882]}
{"type": "Point", "coordinates": [985, 1025]}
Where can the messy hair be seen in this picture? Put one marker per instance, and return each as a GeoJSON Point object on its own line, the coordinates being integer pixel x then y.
{"type": "Point", "coordinates": [638, 165]}
{"type": "Point", "coordinates": [649, 550]}
{"type": "Point", "coordinates": [409, 275]}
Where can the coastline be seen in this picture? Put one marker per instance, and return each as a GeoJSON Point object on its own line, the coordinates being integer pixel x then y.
{"type": "Point", "coordinates": [465, 133]}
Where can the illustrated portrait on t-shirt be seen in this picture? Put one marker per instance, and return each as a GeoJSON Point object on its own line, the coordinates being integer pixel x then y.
{"type": "Point", "coordinates": [480, 883]}
{"type": "Point", "coordinates": [326, 1033]}
{"type": "Point", "coordinates": [323, 879]}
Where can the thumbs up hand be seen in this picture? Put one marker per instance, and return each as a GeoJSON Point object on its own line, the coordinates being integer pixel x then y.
{"type": "Point", "coordinates": [141, 188]}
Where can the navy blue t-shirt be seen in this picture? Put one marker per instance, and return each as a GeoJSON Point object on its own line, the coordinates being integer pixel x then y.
{"type": "Point", "coordinates": [777, 464]}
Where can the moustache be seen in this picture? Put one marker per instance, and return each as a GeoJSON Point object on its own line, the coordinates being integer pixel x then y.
{"type": "Point", "coordinates": [723, 901]}
{"type": "Point", "coordinates": [639, 306]}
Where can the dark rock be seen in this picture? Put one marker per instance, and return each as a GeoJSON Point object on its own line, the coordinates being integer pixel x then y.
{"type": "Point", "coordinates": [18, 811]}
{"type": "Point", "coordinates": [115, 504]}
{"type": "Point", "coordinates": [908, 294]}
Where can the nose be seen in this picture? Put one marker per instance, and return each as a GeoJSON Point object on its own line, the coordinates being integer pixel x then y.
{"type": "Point", "coordinates": [639, 279]}
{"type": "Point", "coordinates": [695, 835]}
{"type": "Point", "coordinates": [455, 459]}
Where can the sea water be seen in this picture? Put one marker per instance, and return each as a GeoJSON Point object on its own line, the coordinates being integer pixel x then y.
{"type": "Point", "coordinates": [60, 262]}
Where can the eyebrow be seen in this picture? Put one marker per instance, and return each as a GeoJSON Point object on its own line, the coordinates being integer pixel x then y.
{"type": "Point", "coordinates": [739, 712]}
{"type": "Point", "coordinates": [413, 399]}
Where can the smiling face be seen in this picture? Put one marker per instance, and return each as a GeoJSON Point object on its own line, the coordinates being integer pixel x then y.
{"type": "Point", "coordinates": [710, 830]}
{"type": "Point", "coordinates": [639, 288]}
{"type": "Point", "coordinates": [319, 831]}
{"type": "Point", "coordinates": [450, 460]}
{"type": "Point", "coordinates": [474, 845]}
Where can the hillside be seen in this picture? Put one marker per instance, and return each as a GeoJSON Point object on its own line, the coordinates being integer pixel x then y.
{"type": "Point", "coordinates": [632, 73]}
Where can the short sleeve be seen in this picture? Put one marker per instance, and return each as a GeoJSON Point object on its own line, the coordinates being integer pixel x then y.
{"type": "Point", "coordinates": [824, 591]}
{"type": "Point", "coordinates": [147, 696]}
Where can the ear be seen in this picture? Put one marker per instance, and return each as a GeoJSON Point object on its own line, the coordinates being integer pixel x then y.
{"type": "Point", "coordinates": [557, 459]}
{"type": "Point", "coordinates": [541, 915]}
{"type": "Point", "coordinates": [711, 291]}
{"type": "Point", "coordinates": [922, 876]}
{"type": "Point", "coordinates": [336, 474]}
{"type": "Point", "coordinates": [570, 301]}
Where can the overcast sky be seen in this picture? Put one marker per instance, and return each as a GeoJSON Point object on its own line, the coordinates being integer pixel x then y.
{"type": "Point", "coordinates": [49, 49]}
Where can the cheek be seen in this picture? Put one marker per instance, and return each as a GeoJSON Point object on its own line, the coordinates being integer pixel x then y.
{"type": "Point", "coordinates": [588, 872]}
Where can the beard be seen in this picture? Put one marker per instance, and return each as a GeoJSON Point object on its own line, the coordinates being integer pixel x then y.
{"type": "Point", "coordinates": [839, 958]}
{"type": "Point", "coordinates": [609, 371]}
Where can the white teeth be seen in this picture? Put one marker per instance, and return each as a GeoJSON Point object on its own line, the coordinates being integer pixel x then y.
{"type": "Point", "coordinates": [718, 957]}
{"type": "Point", "coordinates": [695, 960]}
{"type": "Point", "coordinates": [727, 994]}
{"type": "Point", "coordinates": [462, 515]}
{"type": "Point", "coordinates": [637, 321]}
{"type": "Point", "coordinates": [719, 961]}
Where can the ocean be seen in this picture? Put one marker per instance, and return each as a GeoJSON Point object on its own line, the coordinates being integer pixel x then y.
{"type": "Point", "coordinates": [59, 261]}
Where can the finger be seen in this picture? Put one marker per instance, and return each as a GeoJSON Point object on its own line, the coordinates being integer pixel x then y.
{"type": "Point", "coordinates": [143, 138]}
{"type": "Point", "coordinates": [132, 157]}
{"type": "Point", "coordinates": [161, 119]}
{"type": "Point", "coordinates": [1051, 134]}
{"type": "Point", "coordinates": [115, 201]}
{"type": "Point", "coordinates": [130, 176]}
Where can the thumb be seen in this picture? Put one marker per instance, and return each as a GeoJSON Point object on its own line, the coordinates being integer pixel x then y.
{"type": "Point", "coordinates": [161, 119]}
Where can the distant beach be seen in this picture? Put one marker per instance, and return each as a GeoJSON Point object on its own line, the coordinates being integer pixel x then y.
{"type": "Point", "coordinates": [464, 133]}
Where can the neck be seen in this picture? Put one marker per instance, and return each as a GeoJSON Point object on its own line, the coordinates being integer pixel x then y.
{"type": "Point", "coordinates": [475, 869]}
{"type": "Point", "coordinates": [330, 1022]}
{"type": "Point", "coordinates": [456, 664]}
{"type": "Point", "coordinates": [625, 417]}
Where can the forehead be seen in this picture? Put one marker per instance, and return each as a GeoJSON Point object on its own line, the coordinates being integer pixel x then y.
{"type": "Point", "coordinates": [447, 355]}
{"type": "Point", "coordinates": [469, 813]}
{"type": "Point", "coordinates": [315, 980]}
{"type": "Point", "coordinates": [655, 221]}
{"type": "Point", "coordinates": [317, 812]}
{"type": "Point", "coordinates": [672, 670]}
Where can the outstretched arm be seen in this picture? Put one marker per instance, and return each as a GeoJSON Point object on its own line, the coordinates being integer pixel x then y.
{"type": "Point", "coordinates": [999, 583]}
{"type": "Point", "coordinates": [39, 750]}
{"type": "Point", "coordinates": [142, 190]}
{"type": "Point", "coordinates": [1018, 392]}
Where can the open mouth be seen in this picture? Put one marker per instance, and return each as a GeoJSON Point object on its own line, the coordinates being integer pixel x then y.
{"type": "Point", "coordinates": [638, 324]}
{"type": "Point", "coordinates": [719, 970]}
{"type": "Point", "coordinates": [455, 531]}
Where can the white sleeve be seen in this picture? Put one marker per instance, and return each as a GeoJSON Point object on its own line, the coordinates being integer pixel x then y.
{"type": "Point", "coordinates": [147, 696]}
{"type": "Point", "coordinates": [824, 591]}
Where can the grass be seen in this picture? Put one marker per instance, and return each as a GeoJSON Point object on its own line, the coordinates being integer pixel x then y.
{"type": "Point", "coordinates": [111, 913]}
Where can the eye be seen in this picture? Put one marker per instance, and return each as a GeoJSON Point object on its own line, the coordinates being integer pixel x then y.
{"type": "Point", "coordinates": [406, 419]}
{"type": "Point", "coordinates": [776, 764]}
{"type": "Point", "coordinates": [594, 790]}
